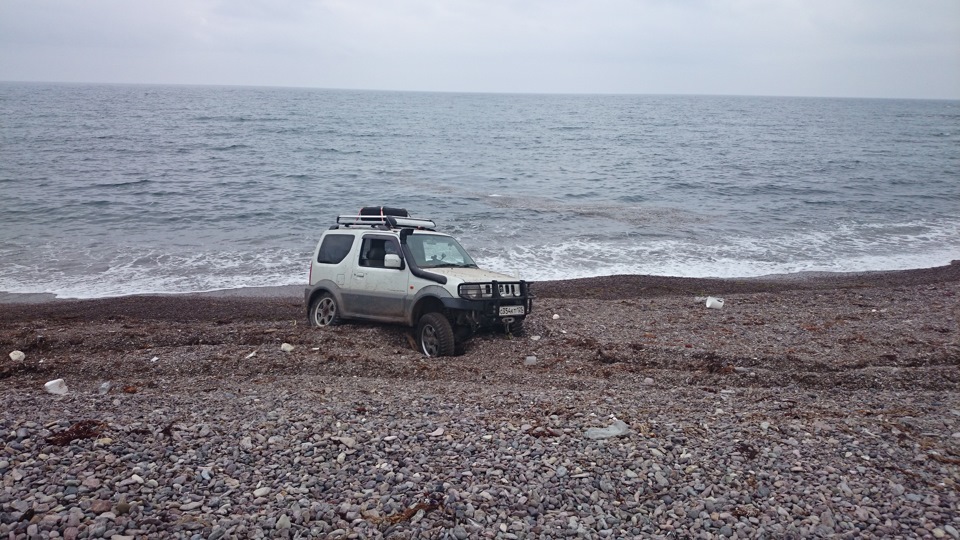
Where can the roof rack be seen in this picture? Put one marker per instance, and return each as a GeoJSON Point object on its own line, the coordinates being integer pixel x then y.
{"type": "Point", "coordinates": [385, 222]}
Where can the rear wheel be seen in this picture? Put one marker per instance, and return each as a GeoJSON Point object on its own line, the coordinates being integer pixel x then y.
{"type": "Point", "coordinates": [324, 311]}
{"type": "Point", "coordinates": [435, 335]}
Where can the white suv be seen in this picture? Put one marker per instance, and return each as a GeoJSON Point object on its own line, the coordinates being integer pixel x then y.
{"type": "Point", "coordinates": [383, 265]}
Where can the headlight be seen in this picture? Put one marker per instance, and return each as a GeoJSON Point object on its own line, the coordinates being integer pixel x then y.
{"type": "Point", "coordinates": [471, 291]}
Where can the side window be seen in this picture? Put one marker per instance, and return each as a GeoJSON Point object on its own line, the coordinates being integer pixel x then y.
{"type": "Point", "coordinates": [334, 248]}
{"type": "Point", "coordinates": [373, 250]}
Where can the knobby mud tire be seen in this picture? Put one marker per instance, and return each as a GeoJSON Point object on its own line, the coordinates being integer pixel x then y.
{"type": "Point", "coordinates": [435, 335]}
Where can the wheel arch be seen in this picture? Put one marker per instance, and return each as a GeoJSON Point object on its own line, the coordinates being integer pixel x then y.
{"type": "Point", "coordinates": [426, 304]}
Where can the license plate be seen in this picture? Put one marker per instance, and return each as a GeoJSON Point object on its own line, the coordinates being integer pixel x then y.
{"type": "Point", "coordinates": [511, 310]}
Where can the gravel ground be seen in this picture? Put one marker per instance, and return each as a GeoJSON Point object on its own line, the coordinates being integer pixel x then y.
{"type": "Point", "coordinates": [808, 406]}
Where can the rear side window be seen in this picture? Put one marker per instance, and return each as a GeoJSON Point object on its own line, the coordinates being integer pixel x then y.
{"type": "Point", "coordinates": [334, 248]}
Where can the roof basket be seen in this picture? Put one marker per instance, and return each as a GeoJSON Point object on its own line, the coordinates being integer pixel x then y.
{"type": "Point", "coordinates": [386, 218]}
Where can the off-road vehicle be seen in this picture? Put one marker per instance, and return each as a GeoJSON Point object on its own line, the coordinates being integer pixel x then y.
{"type": "Point", "coordinates": [383, 265]}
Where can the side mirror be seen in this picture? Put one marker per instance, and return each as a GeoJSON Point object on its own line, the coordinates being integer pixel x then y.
{"type": "Point", "coordinates": [391, 260]}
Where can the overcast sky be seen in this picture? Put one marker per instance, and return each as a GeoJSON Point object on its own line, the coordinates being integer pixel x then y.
{"type": "Point", "coordinates": [851, 48]}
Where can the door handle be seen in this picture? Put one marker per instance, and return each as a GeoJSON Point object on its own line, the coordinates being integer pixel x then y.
{"type": "Point", "coordinates": [358, 274]}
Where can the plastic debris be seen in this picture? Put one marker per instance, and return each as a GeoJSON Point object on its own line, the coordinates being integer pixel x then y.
{"type": "Point", "coordinates": [105, 387]}
{"type": "Point", "coordinates": [17, 356]}
{"type": "Point", "coordinates": [556, 316]}
{"type": "Point", "coordinates": [714, 303]}
{"type": "Point", "coordinates": [616, 429]}
{"type": "Point", "coordinates": [530, 361]}
{"type": "Point", "coordinates": [56, 386]}
{"type": "Point", "coordinates": [286, 347]}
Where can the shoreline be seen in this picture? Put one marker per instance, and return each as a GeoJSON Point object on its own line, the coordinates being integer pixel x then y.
{"type": "Point", "coordinates": [652, 285]}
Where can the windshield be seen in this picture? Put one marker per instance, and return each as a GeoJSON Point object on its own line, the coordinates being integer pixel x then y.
{"type": "Point", "coordinates": [434, 251]}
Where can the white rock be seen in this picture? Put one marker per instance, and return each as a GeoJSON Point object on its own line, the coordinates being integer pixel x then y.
{"type": "Point", "coordinates": [17, 356]}
{"type": "Point", "coordinates": [556, 316]}
{"type": "Point", "coordinates": [261, 492]}
{"type": "Point", "coordinates": [286, 347]}
{"type": "Point", "coordinates": [616, 429]}
{"type": "Point", "coordinates": [648, 381]}
{"type": "Point", "coordinates": [56, 386]}
{"type": "Point", "coordinates": [283, 522]}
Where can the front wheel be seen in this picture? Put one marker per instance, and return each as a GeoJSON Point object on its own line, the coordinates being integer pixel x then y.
{"type": "Point", "coordinates": [324, 311]}
{"type": "Point", "coordinates": [515, 328]}
{"type": "Point", "coordinates": [435, 335]}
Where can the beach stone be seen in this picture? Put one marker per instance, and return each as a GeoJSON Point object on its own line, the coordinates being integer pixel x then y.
{"type": "Point", "coordinates": [261, 492]}
{"type": "Point", "coordinates": [616, 429]}
{"type": "Point", "coordinates": [17, 356]}
{"type": "Point", "coordinates": [286, 347]}
{"type": "Point", "coordinates": [57, 387]}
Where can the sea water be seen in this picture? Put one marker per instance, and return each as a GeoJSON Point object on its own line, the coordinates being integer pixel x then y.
{"type": "Point", "coordinates": [120, 189]}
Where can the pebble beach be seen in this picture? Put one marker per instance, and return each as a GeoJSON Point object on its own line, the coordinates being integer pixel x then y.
{"type": "Point", "coordinates": [808, 406]}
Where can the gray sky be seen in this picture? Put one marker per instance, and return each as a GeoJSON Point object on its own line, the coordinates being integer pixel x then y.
{"type": "Point", "coordinates": [855, 48]}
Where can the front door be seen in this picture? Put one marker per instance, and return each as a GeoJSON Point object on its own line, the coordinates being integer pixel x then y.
{"type": "Point", "coordinates": [379, 291]}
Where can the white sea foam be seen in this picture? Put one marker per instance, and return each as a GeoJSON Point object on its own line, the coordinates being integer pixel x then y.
{"type": "Point", "coordinates": [90, 273]}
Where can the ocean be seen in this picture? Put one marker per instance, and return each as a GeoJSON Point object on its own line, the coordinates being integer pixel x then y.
{"type": "Point", "coordinates": [110, 190]}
